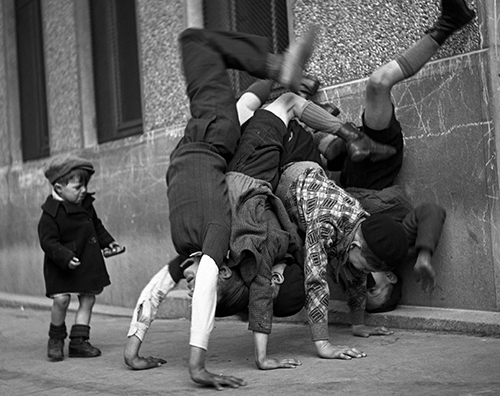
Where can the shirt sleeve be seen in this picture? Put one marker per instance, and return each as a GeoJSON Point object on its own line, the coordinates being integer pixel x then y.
{"type": "Point", "coordinates": [260, 308]}
{"type": "Point", "coordinates": [423, 226]}
{"type": "Point", "coordinates": [356, 299]}
{"type": "Point", "coordinates": [317, 291]}
{"type": "Point", "coordinates": [204, 303]}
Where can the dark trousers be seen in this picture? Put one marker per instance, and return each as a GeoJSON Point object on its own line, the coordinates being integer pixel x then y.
{"type": "Point", "coordinates": [200, 217]}
{"type": "Point", "coordinates": [206, 56]}
{"type": "Point", "coordinates": [260, 148]}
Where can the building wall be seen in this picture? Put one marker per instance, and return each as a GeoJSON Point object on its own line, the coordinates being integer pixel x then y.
{"type": "Point", "coordinates": [448, 114]}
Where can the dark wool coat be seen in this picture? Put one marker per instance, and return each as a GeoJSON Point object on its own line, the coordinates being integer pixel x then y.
{"type": "Point", "coordinates": [65, 231]}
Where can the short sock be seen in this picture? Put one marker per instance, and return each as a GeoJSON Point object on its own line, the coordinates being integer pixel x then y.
{"type": "Point", "coordinates": [415, 57]}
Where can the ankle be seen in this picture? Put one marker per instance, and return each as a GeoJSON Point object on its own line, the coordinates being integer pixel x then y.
{"type": "Point", "coordinates": [58, 332]}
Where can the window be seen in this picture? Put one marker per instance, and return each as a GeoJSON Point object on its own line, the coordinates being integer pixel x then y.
{"type": "Point", "coordinates": [31, 71]}
{"type": "Point", "coordinates": [267, 18]}
{"type": "Point", "coordinates": [116, 69]}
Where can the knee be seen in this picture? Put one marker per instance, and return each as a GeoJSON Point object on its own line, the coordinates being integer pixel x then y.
{"type": "Point", "coordinates": [379, 81]}
{"type": "Point", "coordinates": [290, 100]}
{"type": "Point", "coordinates": [62, 302]}
{"type": "Point", "coordinates": [87, 299]}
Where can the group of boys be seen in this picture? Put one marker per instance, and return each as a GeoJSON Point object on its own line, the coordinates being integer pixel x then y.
{"type": "Point", "coordinates": [256, 221]}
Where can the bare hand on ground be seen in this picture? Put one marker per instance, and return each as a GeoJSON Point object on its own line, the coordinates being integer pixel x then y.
{"type": "Point", "coordinates": [271, 364]}
{"type": "Point", "coordinates": [329, 351]}
{"type": "Point", "coordinates": [367, 331]}
{"type": "Point", "coordinates": [203, 377]}
{"type": "Point", "coordinates": [141, 363]}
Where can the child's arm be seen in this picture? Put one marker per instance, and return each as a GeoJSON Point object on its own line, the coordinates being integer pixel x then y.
{"type": "Point", "coordinates": [146, 308]}
{"type": "Point", "coordinates": [423, 227]}
{"type": "Point", "coordinates": [106, 241]}
{"type": "Point", "coordinates": [260, 311]}
{"type": "Point", "coordinates": [48, 234]}
{"type": "Point", "coordinates": [136, 362]}
{"type": "Point", "coordinates": [261, 359]}
{"type": "Point", "coordinates": [356, 300]}
{"type": "Point", "coordinates": [202, 323]}
{"type": "Point", "coordinates": [103, 236]}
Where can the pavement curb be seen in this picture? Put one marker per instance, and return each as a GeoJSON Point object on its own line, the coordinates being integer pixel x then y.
{"type": "Point", "coordinates": [178, 305]}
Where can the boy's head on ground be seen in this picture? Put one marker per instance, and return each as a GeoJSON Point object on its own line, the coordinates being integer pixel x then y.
{"type": "Point", "coordinates": [380, 243]}
{"type": "Point", "coordinates": [232, 292]}
{"type": "Point", "coordinates": [383, 291]}
{"type": "Point", "coordinates": [287, 281]}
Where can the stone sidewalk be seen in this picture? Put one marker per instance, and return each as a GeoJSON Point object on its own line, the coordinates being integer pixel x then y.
{"type": "Point", "coordinates": [177, 305]}
{"type": "Point", "coordinates": [405, 363]}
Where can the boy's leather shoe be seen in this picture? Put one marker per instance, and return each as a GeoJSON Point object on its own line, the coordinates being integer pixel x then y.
{"type": "Point", "coordinates": [335, 148]}
{"type": "Point", "coordinates": [331, 108]}
{"type": "Point", "coordinates": [55, 350]}
{"type": "Point", "coordinates": [79, 347]}
{"type": "Point", "coordinates": [454, 15]}
{"type": "Point", "coordinates": [360, 146]}
{"type": "Point", "coordinates": [308, 86]}
{"type": "Point", "coordinates": [294, 60]}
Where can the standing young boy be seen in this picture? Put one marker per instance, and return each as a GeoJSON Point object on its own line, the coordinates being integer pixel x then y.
{"type": "Point", "coordinates": [72, 236]}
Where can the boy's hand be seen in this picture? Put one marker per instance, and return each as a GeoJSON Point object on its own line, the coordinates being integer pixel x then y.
{"type": "Point", "coordinates": [136, 362]}
{"type": "Point", "coordinates": [424, 271]}
{"type": "Point", "coordinates": [74, 263]}
{"type": "Point", "coordinates": [367, 331]}
{"type": "Point", "coordinates": [113, 248]}
{"type": "Point", "coordinates": [141, 363]}
{"type": "Point", "coordinates": [201, 376]}
{"type": "Point", "coordinates": [261, 359]}
{"type": "Point", "coordinates": [271, 364]}
{"type": "Point", "coordinates": [328, 351]}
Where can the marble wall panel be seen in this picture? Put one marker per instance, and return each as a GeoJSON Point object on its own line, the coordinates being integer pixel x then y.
{"type": "Point", "coordinates": [444, 113]}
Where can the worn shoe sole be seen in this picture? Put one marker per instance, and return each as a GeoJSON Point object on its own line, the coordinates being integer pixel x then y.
{"type": "Point", "coordinates": [295, 59]}
{"type": "Point", "coordinates": [456, 13]}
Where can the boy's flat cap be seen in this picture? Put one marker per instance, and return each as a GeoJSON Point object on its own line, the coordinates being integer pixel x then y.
{"type": "Point", "coordinates": [62, 165]}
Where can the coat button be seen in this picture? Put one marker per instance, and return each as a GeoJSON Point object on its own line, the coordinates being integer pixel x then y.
{"type": "Point", "coordinates": [93, 240]}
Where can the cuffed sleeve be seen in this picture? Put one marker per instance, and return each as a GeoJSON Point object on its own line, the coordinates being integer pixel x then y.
{"type": "Point", "coordinates": [204, 303]}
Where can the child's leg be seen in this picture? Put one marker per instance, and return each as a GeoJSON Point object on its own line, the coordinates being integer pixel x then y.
{"type": "Point", "coordinates": [57, 330]}
{"type": "Point", "coordinates": [379, 121]}
{"type": "Point", "coordinates": [206, 55]}
{"type": "Point", "coordinates": [60, 304]}
{"type": "Point", "coordinates": [359, 146]}
{"type": "Point", "coordinates": [252, 99]}
{"type": "Point", "coordinates": [261, 142]}
{"type": "Point", "coordinates": [79, 346]}
{"type": "Point", "coordinates": [84, 312]}
{"type": "Point", "coordinates": [378, 105]}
